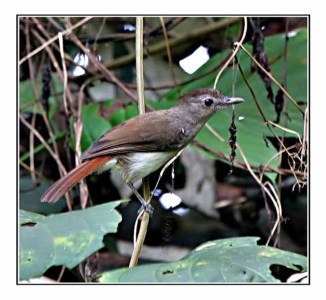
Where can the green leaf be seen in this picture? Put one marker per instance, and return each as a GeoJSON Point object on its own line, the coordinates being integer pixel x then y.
{"type": "Point", "coordinates": [63, 239]}
{"type": "Point", "coordinates": [27, 98]}
{"type": "Point", "coordinates": [252, 129]}
{"type": "Point", "coordinates": [26, 217]}
{"type": "Point", "coordinates": [39, 148]}
{"type": "Point", "coordinates": [95, 125]}
{"type": "Point", "coordinates": [271, 176]}
{"type": "Point", "coordinates": [226, 260]}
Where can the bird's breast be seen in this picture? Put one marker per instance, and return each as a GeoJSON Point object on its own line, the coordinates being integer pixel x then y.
{"type": "Point", "coordinates": [137, 165]}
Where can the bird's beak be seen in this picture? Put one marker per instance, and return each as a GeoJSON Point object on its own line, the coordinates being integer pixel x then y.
{"type": "Point", "coordinates": [232, 100]}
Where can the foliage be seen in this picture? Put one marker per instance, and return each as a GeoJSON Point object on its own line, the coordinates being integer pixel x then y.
{"type": "Point", "coordinates": [63, 239]}
{"type": "Point", "coordinates": [226, 260]}
{"type": "Point", "coordinates": [251, 130]}
{"type": "Point", "coordinates": [27, 96]}
{"type": "Point", "coordinates": [67, 239]}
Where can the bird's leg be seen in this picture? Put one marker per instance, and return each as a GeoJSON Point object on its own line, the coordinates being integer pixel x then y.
{"type": "Point", "coordinates": [145, 205]}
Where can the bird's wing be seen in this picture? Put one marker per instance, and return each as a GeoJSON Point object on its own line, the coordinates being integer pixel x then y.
{"type": "Point", "coordinates": [135, 135]}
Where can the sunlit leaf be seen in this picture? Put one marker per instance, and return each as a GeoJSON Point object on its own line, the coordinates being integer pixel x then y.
{"type": "Point", "coordinates": [226, 260]}
{"type": "Point", "coordinates": [63, 239]}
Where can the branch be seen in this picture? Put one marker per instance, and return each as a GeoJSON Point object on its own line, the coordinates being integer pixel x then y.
{"type": "Point", "coordinates": [272, 78]}
{"type": "Point", "coordinates": [50, 41]}
{"type": "Point", "coordinates": [141, 106]}
{"type": "Point", "coordinates": [161, 46]}
{"type": "Point", "coordinates": [235, 51]}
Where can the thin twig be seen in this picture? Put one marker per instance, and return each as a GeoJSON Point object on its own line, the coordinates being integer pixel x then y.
{"type": "Point", "coordinates": [33, 81]}
{"type": "Point", "coordinates": [305, 134]}
{"type": "Point", "coordinates": [272, 78]}
{"type": "Point", "coordinates": [161, 46]}
{"type": "Point", "coordinates": [227, 62]}
{"type": "Point", "coordinates": [278, 208]}
{"type": "Point", "coordinates": [214, 132]}
{"type": "Point", "coordinates": [67, 91]}
{"type": "Point", "coordinates": [239, 164]}
{"type": "Point", "coordinates": [40, 147]}
{"type": "Point", "coordinates": [67, 106]}
{"type": "Point", "coordinates": [77, 122]}
{"type": "Point", "coordinates": [50, 41]}
{"type": "Point", "coordinates": [56, 157]}
{"type": "Point", "coordinates": [168, 51]}
{"type": "Point", "coordinates": [274, 198]}
{"type": "Point", "coordinates": [78, 127]}
{"type": "Point", "coordinates": [140, 64]}
{"type": "Point", "coordinates": [234, 52]}
{"type": "Point", "coordinates": [36, 173]}
{"type": "Point", "coordinates": [65, 76]}
{"type": "Point", "coordinates": [61, 75]}
{"type": "Point", "coordinates": [171, 161]}
{"type": "Point", "coordinates": [285, 60]}
{"type": "Point", "coordinates": [98, 34]}
{"type": "Point", "coordinates": [62, 271]}
{"type": "Point", "coordinates": [54, 62]}
{"type": "Point", "coordinates": [106, 73]}
{"type": "Point", "coordinates": [180, 83]}
{"type": "Point", "coordinates": [67, 57]}
{"type": "Point", "coordinates": [168, 85]}
{"type": "Point", "coordinates": [141, 107]}
{"type": "Point", "coordinates": [286, 130]}
{"type": "Point", "coordinates": [139, 216]}
{"type": "Point", "coordinates": [266, 121]}
{"type": "Point", "coordinates": [46, 145]}
{"type": "Point", "coordinates": [56, 24]}
{"type": "Point", "coordinates": [272, 158]}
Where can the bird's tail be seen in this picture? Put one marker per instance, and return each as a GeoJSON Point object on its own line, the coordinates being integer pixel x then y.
{"type": "Point", "coordinates": [64, 184]}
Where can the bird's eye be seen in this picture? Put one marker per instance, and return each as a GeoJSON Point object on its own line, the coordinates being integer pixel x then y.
{"type": "Point", "coordinates": [209, 102]}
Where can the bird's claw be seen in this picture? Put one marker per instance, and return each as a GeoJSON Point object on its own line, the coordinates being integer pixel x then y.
{"type": "Point", "coordinates": [146, 207]}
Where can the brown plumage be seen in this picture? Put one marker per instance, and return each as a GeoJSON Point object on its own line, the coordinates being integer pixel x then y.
{"type": "Point", "coordinates": [145, 143]}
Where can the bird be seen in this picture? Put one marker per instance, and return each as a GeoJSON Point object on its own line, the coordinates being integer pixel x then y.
{"type": "Point", "coordinates": [145, 143]}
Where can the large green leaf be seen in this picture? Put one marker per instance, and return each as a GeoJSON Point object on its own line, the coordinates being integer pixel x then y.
{"type": "Point", "coordinates": [63, 239]}
{"type": "Point", "coordinates": [252, 129]}
{"type": "Point", "coordinates": [226, 260]}
{"type": "Point", "coordinates": [26, 217]}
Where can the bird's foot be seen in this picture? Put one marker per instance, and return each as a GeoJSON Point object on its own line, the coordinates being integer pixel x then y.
{"type": "Point", "coordinates": [146, 207]}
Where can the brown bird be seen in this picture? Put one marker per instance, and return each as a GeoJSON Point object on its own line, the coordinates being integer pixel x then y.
{"type": "Point", "coordinates": [145, 143]}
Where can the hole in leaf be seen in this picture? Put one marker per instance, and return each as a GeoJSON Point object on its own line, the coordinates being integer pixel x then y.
{"type": "Point", "coordinates": [29, 224]}
{"type": "Point", "coordinates": [300, 269]}
{"type": "Point", "coordinates": [168, 272]}
{"type": "Point", "coordinates": [283, 273]}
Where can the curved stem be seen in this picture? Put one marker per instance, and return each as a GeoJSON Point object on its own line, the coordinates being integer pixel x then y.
{"type": "Point", "coordinates": [272, 78]}
{"type": "Point", "coordinates": [235, 51]}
